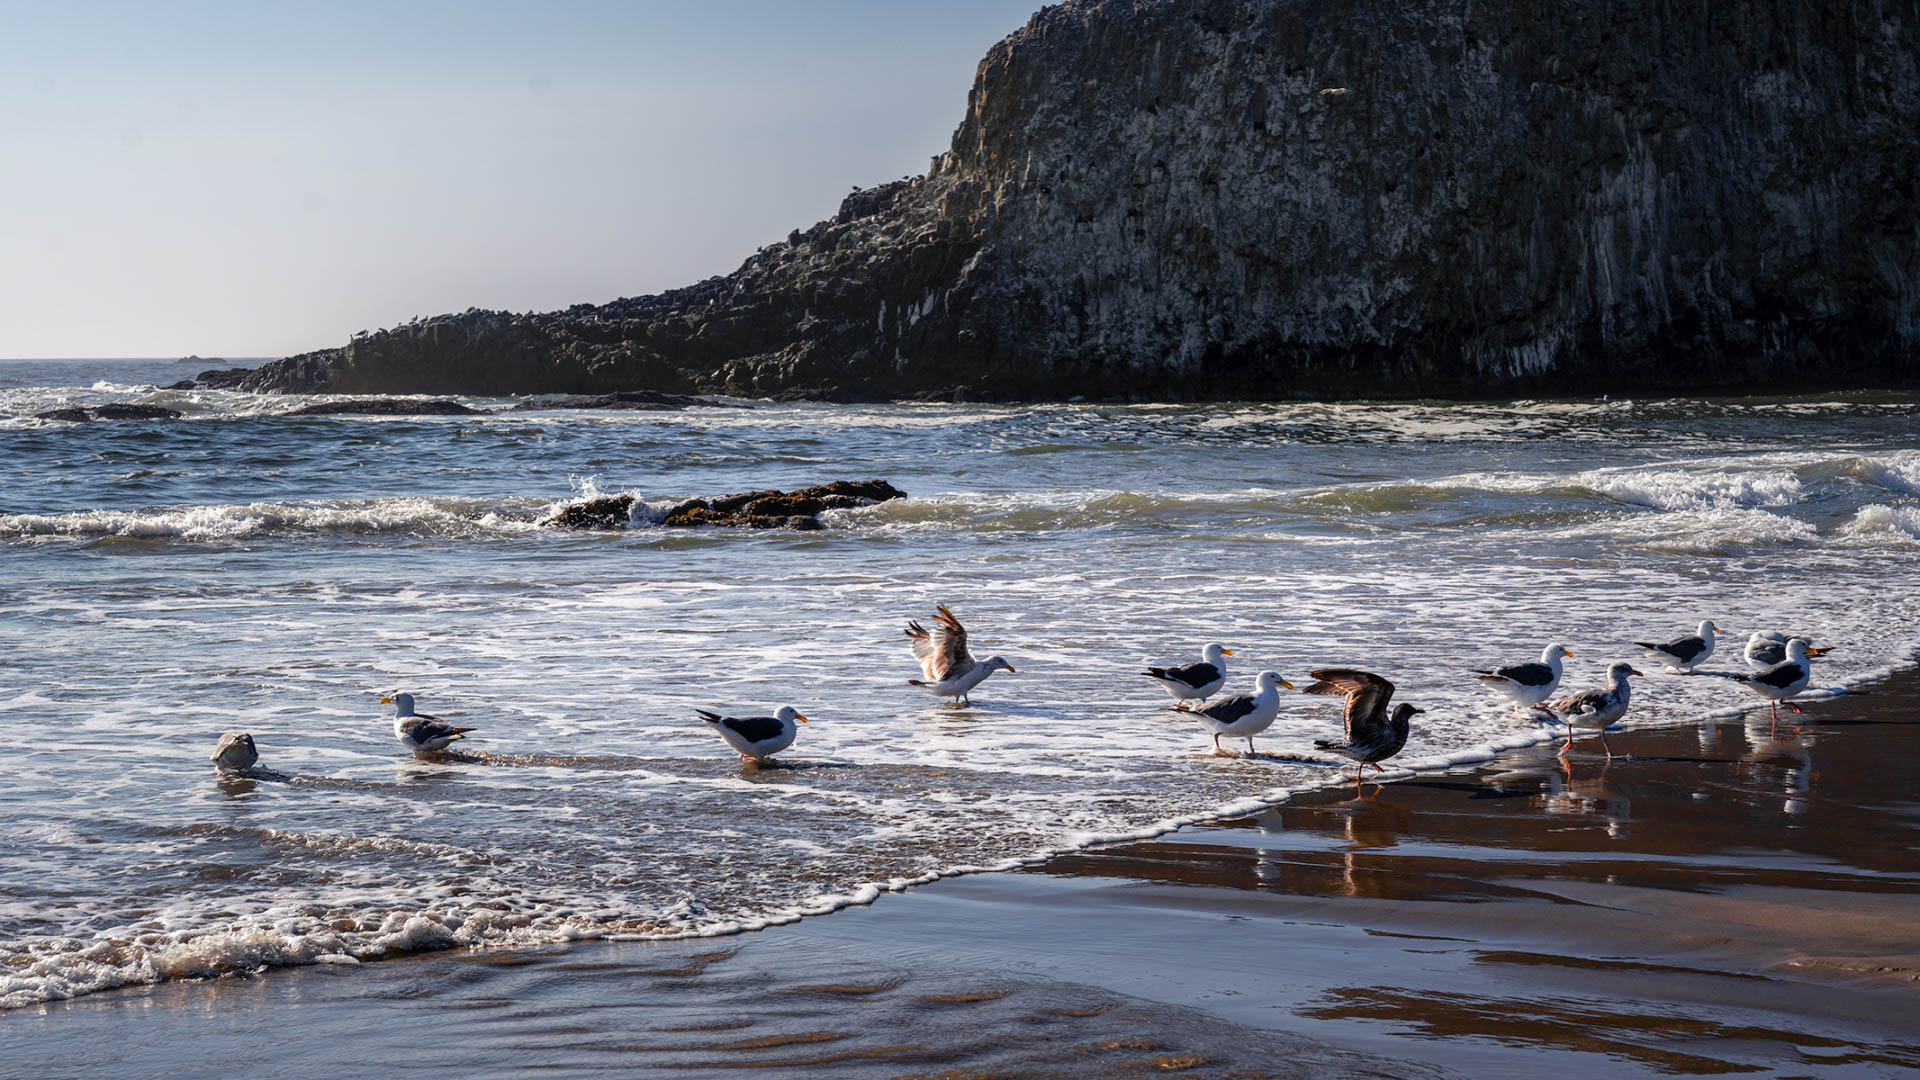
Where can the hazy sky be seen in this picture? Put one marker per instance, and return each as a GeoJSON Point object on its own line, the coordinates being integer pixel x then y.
{"type": "Point", "coordinates": [252, 179]}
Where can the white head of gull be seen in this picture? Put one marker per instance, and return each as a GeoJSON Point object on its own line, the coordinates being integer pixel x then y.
{"type": "Point", "coordinates": [1194, 682]}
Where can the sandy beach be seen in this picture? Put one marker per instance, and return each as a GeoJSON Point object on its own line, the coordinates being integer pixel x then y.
{"type": "Point", "coordinates": [1714, 900]}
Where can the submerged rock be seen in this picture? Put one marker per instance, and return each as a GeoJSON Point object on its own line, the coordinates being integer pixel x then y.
{"type": "Point", "coordinates": [753, 510]}
{"type": "Point", "coordinates": [1182, 199]}
{"type": "Point", "coordinates": [111, 412]}
{"type": "Point", "coordinates": [387, 407]}
{"type": "Point", "coordinates": [624, 399]}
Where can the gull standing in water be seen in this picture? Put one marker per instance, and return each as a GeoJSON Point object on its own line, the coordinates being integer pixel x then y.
{"type": "Point", "coordinates": [1373, 734]}
{"type": "Point", "coordinates": [235, 752]}
{"type": "Point", "coordinates": [1527, 685]}
{"type": "Point", "coordinates": [1244, 715]}
{"type": "Point", "coordinates": [1682, 655]}
{"type": "Point", "coordinates": [1194, 682]}
{"type": "Point", "coordinates": [1769, 647]}
{"type": "Point", "coordinates": [1784, 679]}
{"type": "Point", "coordinates": [419, 732]}
{"type": "Point", "coordinates": [951, 671]}
{"type": "Point", "coordinates": [1595, 709]}
{"type": "Point", "coordinates": [757, 737]}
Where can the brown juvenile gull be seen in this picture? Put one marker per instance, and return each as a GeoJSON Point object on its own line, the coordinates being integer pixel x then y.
{"type": "Point", "coordinates": [1194, 682]}
{"type": "Point", "coordinates": [235, 752]}
{"type": "Point", "coordinates": [951, 671]}
{"type": "Point", "coordinates": [1373, 734]}
{"type": "Point", "coordinates": [419, 732]}
{"type": "Point", "coordinates": [1595, 709]}
{"type": "Point", "coordinates": [757, 737]}
{"type": "Point", "coordinates": [1682, 655]}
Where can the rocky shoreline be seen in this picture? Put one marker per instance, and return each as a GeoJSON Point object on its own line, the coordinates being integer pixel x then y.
{"type": "Point", "coordinates": [770, 509]}
{"type": "Point", "coordinates": [1259, 199]}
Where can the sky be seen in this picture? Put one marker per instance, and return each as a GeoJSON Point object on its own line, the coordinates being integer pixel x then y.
{"type": "Point", "coordinates": [252, 180]}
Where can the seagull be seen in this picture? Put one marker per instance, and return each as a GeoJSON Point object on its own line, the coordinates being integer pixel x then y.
{"type": "Point", "coordinates": [1784, 679]}
{"type": "Point", "coordinates": [1682, 655]}
{"type": "Point", "coordinates": [1527, 685]}
{"type": "Point", "coordinates": [1769, 647]}
{"type": "Point", "coordinates": [757, 737]}
{"type": "Point", "coordinates": [1373, 734]}
{"type": "Point", "coordinates": [1194, 681]}
{"type": "Point", "coordinates": [1597, 708]}
{"type": "Point", "coordinates": [419, 732]}
{"type": "Point", "coordinates": [1244, 715]}
{"type": "Point", "coordinates": [235, 752]}
{"type": "Point", "coordinates": [950, 669]}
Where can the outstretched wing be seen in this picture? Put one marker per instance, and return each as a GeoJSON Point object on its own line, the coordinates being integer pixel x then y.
{"type": "Point", "coordinates": [1366, 693]}
{"type": "Point", "coordinates": [943, 652]}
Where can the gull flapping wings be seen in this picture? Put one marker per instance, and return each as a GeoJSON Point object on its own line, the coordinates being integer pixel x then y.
{"type": "Point", "coordinates": [1367, 695]}
{"type": "Point", "coordinates": [942, 651]}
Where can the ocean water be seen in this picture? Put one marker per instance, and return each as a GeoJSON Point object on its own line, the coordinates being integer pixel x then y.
{"type": "Point", "coordinates": [162, 582]}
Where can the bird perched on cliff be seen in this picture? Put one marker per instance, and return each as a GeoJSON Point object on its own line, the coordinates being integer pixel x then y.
{"type": "Point", "coordinates": [1783, 680]}
{"type": "Point", "coordinates": [1682, 655]}
{"type": "Point", "coordinates": [951, 671]}
{"type": "Point", "coordinates": [1194, 682]}
{"type": "Point", "coordinates": [1244, 715]}
{"type": "Point", "coordinates": [1373, 733]}
{"type": "Point", "coordinates": [1526, 685]}
{"type": "Point", "coordinates": [235, 752]}
{"type": "Point", "coordinates": [1595, 709]}
{"type": "Point", "coordinates": [1769, 647]}
{"type": "Point", "coordinates": [757, 737]}
{"type": "Point", "coordinates": [419, 732]}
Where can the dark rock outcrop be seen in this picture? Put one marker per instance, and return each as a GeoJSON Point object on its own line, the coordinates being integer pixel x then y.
{"type": "Point", "coordinates": [221, 379]}
{"type": "Point", "coordinates": [111, 412]}
{"type": "Point", "coordinates": [754, 509]}
{"type": "Point", "coordinates": [388, 407]}
{"type": "Point", "coordinates": [1274, 198]}
{"type": "Point", "coordinates": [647, 400]}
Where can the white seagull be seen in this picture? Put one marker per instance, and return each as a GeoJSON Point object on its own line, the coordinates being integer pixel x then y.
{"type": "Point", "coordinates": [1769, 647]}
{"type": "Point", "coordinates": [951, 671]}
{"type": "Point", "coordinates": [419, 732]}
{"type": "Point", "coordinates": [1373, 733]}
{"type": "Point", "coordinates": [757, 737]}
{"type": "Point", "coordinates": [235, 752]}
{"type": "Point", "coordinates": [1244, 715]}
{"type": "Point", "coordinates": [1194, 682]}
{"type": "Point", "coordinates": [1682, 655]}
{"type": "Point", "coordinates": [1595, 709]}
{"type": "Point", "coordinates": [1785, 679]}
{"type": "Point", "coordinates": [1527, 685]}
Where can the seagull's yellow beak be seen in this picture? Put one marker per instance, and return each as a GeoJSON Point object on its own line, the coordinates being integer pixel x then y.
{"type": "Point", "coordinates": [1636, 671]}
{"type": "Point", "coordinates": [1821, 651]}
{"type": "Point", "coordinates": [1286, 684]}
{"type": "Point", "coordinates": [1717, 630]}
{"type": "Point", "coordinates": [1010, 671]}
{"type": "Point", "coordinates": [386, 701]}
{"type": "Point", "coordinates": [800, 718]}
{"type": "Point", "coordinates": [1569, 652]}
{"type": "Point", "coordinates": [1229, 652]}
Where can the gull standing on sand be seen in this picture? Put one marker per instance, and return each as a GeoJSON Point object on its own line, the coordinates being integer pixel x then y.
{"type": "Point", "coordinates": [1682, 655]}
{"type": "Point", "coordinates": [235, 752]}
{"type": "Point", "coordinates": [419, 732]}
{"type": "Point", "coordinates": [1769, 647]}
{"type": "Point", "coordinates": [1595, 709]}
{"type": "Point", "coordinates": [757, 737]}
{"type": "Point", "coordinates": [1785, 679]}
{"type": "Point", "coordinates": [1194, 682]}
{"type": "Point", "coordinates": [1373, 734]}
{"type": "Point", "coordinates": [1527, 685]}
{"type": "Point", "coordinates": [951, 671]}
{"type": "Point", "coordinates": [1244, 715]}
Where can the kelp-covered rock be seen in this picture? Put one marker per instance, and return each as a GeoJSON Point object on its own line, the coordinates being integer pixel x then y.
{"type": "Point", "coordinates": [752, 510]}
{"type": "Point", "coordinates": [118, 411]}
{"type": "Point", "coordinates": [1343, 198]}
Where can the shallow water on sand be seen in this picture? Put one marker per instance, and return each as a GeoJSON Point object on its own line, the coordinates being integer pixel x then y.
{"type": "Point", "coordinates": [243, 569]}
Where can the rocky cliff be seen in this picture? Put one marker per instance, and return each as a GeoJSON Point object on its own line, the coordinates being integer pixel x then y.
{"type": "Point", "coordinates": [1273, 198]}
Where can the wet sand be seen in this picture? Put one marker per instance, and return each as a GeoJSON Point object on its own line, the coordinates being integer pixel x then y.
{"type": "Point", "coordinates": [1716, 901]}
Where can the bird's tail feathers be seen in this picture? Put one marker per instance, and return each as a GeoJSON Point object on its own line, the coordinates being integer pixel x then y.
{"type": "Point", "coordinates": [709, 717]}
{"type": "Point", "coordinates": [917, 682]}
{"type": "Point", "coordinates": [1655, 646]}
{"type": "Point", "coordinates": [1155, 673]}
